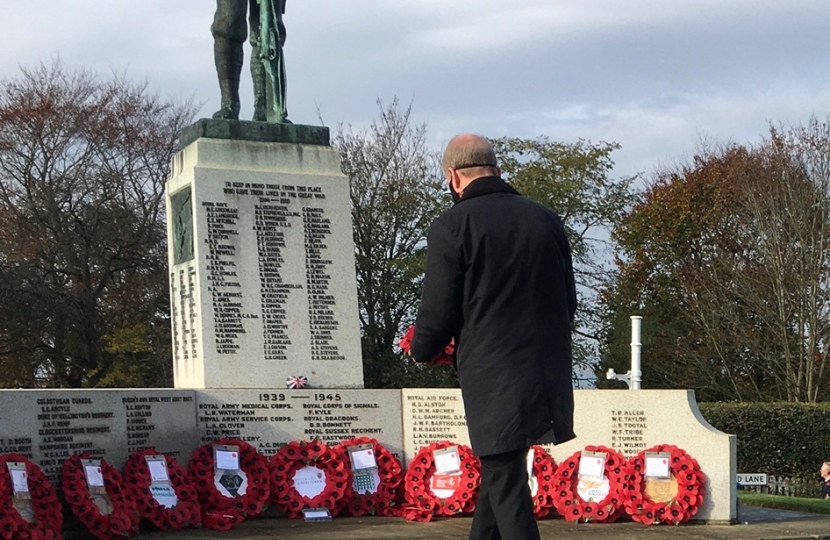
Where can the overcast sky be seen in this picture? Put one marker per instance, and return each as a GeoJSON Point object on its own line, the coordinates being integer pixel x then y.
{"type": "Point", "coordinates": [652, 75]}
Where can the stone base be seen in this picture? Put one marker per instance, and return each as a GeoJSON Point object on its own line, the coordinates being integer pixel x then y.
{"type": "Point", "coordinates": [628, 421]}
{"type": "Point", "coordinates": [50, 425]}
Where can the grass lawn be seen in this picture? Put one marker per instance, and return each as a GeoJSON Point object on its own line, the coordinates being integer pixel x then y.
{"type": "Point", "coordinates": [797, 504]}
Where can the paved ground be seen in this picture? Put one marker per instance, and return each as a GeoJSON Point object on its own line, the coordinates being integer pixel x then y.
{"type": "Point", "coordinates": [757, 524]}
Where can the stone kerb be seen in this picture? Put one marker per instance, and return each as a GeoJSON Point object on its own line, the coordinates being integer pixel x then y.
{"type": "Point", "coordinates": [261, 261]}
{"type": "Point", "coordinates": [627, 421]}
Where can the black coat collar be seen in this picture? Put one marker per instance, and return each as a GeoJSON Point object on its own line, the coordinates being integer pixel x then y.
{"type": "Point", "coordinates": [485, 186]}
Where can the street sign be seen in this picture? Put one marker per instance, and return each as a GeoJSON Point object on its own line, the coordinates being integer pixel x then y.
{"type": "Point", "coordinates": [752, 479]}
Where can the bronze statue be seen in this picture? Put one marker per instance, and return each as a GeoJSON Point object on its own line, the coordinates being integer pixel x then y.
{"type": "Point", "coordinates": [267, 30]}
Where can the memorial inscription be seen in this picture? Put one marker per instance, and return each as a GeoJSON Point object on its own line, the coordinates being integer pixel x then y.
{"type": "Point", "coordinates": [629, 429]}
{"type": "Point", "coordinates": [269, 420]}
{"type": "Point", "coordinates": [431, 415]}
{"type": "Point", "coordinates": [223, 281]}
{"type": "Point", "coordinates": [277, 209]}
{"type": "Point", "coordinates": [50, 426]}
{"type": "Point", "coordinates": [183, 311]}
{"type": "Point", "coordinates": [69, 425]}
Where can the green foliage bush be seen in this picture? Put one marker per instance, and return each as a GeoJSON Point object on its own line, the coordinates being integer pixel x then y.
{"type": "Point", "coordinates": [781, 439]}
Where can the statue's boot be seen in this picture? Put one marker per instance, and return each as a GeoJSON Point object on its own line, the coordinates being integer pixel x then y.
{"type": "Point", "coordinates": [229, 57]}
{"type": "Point", "coordinates": [258, 75]}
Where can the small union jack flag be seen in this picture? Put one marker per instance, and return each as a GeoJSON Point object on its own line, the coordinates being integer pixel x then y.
{"type": "Point", "coordinates": [296, 383]}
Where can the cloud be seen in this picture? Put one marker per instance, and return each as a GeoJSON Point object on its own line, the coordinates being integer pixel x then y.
{"type": "Point", "coordinates": [649, 74]}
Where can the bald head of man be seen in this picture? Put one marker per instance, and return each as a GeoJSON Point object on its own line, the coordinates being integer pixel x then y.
{"type": "Point", "coordinates": [467, 158]}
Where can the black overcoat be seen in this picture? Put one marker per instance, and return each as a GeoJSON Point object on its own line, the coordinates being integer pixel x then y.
{"type": "Point", "coordinates": [499, 279]}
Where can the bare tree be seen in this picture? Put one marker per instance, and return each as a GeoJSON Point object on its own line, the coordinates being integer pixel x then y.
{"type": "Point", "coordinates": [396, 192]}
{"type": "Point", "coordinates": [789, 206]}
{"type": "Point", "coordinates": [83, 163]}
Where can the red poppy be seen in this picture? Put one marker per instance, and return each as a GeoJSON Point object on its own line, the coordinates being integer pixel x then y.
{"type": "Point", "coordinates": [546, 487]}
{"type": "Point", "coordinates": [220, 512]}
{"type": "Point", "coordinates": [123, 519]}
{"type": "Point", "coordinates": [685, 504]}
{"type": "Point", "coordinates": [389, 472]}
{"type": "Point", "coordinates": [186, 512]}
{"type": "Point", "coordinates": [444, 357]}
{"type": "Point", "coordinates": [47, 510]}
{"type": "Point", "coordinates": [567, 500]}
{"type": "Point", "coordinates": [296, 456]}
{"type": "Point", "coordinates": [419, 477]}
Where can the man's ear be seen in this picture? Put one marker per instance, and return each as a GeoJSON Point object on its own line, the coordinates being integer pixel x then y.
{"type": "Point", "coordinates": [455, 180]}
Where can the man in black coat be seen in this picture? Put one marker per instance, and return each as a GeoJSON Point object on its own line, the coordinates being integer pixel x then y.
{"type": "Point", "coordinates": [499, 279]}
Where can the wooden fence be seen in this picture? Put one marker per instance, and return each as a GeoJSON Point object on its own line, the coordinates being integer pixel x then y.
{"type": "Point", "coordinates": [789, 487]}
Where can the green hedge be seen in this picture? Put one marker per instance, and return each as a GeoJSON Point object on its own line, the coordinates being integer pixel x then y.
{"type": "Point", "coordinates": [781, 439]}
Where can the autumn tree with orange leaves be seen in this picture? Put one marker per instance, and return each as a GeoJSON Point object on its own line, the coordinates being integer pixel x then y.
{"type": "Point", "coordinates": [727, 260]}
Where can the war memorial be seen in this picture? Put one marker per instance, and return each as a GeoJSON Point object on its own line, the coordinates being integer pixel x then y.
{"type": "Point", "coordinates": [266, 340]}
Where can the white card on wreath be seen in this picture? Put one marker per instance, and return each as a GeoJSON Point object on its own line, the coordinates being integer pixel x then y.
{"type": "Point", "coordinates": [20, 479]}
{"type": "Point", "coordinates": [657, 465]}
{"type": "Point", "coordinates": [158, 468]}
{"type": "Point", "coordinates": [447, 460]}
{"type": "Point", "coordinates": [362, 457]}
{"type": "Point", "coordinates": [592, 464]}
{"type": "Point", "coordinates": [94, 475]}
{"type": "Point", "coordinates": [227, 457]}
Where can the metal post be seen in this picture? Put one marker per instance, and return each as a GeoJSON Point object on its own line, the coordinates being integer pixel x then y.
{"type": "Point", "coordinates": [636, 348]}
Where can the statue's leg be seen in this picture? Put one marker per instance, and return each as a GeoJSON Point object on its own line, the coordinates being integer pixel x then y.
{"type": "Point", "coordinates": [229, 33]}
{"type": "Point", "coordinates": [258, 74]}
{"type": "Point", "coordinates": [283, 86]}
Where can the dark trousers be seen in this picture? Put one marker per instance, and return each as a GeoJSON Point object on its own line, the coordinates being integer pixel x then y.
{"type": "Point", "coordinates": [504, 510]}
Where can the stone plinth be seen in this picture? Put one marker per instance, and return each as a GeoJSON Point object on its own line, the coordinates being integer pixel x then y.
{"type": "Point", "coordinates": [624, 420]}
{"type": "Point", "coordinates": [261, 255]}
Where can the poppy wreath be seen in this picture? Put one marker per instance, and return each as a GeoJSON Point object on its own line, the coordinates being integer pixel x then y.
{"type": "Point", "coordinates": [573, 507]}
{"type": "Point", "coordinates": [299, 454]}
{"type": "Point", "coordinates": [690, 488]}
{"type": "Point", "coordinates": [422, 503]}
{"type": "Point", "coordinates": [443, 358]}
{"type": "Point", "coordinates": [137, 481]}
{"type": "Point", "coordinates": [382, 501]}
{"type": "Point", "coordinates": [220, 512]}
{"type": "Point", "coordinates": [124, 519]}
{"type": "Point", "coordinates": [543, 471]}
{"type": "Point", "coordinates": [47, 510]}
